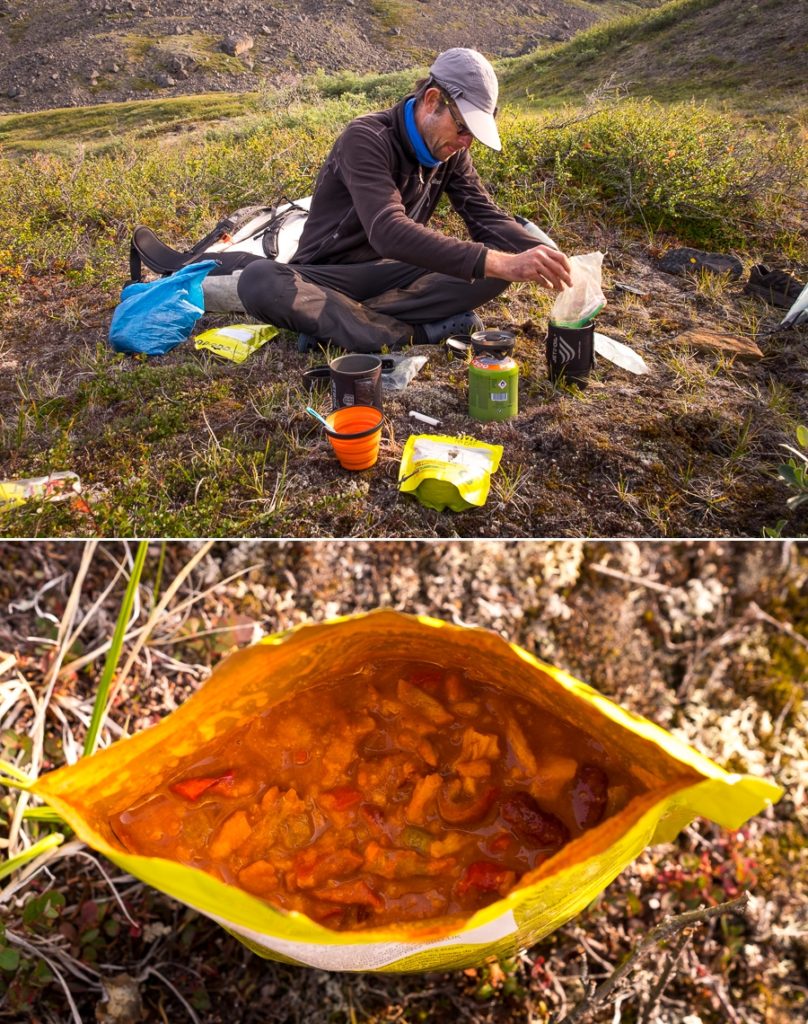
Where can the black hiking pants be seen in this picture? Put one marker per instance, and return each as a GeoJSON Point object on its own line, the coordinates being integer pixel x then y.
{"type": "Point", "coordinates": [361, 306]}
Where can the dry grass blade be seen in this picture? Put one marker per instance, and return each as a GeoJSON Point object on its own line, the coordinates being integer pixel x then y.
{"type": "Point", "coordinates": [36, 951]}
{"type": "Point", "coordinates": [158, 974]}
{"type": "Point", "coordinates": [41, 705]}
{"type": "Point", "coordinates": [38, 731]}
{"type": "Point", "coordinates": [180, 608]}
{"type": "Point", "coordinates": [155, 616]}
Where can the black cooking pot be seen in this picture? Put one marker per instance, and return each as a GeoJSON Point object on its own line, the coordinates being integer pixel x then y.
{"type": "Point", "coordinates": [491, 343]}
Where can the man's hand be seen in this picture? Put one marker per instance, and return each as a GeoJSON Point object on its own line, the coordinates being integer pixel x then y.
{"type": "Point", "coordinates": [542, 264]}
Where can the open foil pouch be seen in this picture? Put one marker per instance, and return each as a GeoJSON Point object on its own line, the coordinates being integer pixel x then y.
{"type": "Point", "coordinates": [669, 784]}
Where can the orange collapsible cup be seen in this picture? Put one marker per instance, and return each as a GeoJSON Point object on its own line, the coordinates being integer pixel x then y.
{"type": "Point", "coordinates": [355, 433]}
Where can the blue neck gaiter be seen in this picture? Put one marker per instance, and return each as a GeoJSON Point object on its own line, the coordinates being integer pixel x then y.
{"type": "Point", "coordinates": [422, 154]}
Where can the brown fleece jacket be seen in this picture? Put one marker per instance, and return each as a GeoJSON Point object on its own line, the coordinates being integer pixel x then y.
{"type": "Point", "coordinates": [373, 200]}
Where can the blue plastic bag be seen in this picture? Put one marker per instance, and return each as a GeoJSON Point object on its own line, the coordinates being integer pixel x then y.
{"type": "Point", "coordinates": [155, 316]}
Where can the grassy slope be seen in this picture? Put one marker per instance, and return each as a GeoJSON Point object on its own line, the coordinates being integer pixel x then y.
{"type": "Point", "coordinates": [62, 129]}
{"type": "Point", "coordinates": [749, 55]}
{"type": "Point", "coordinates": [746, 56]}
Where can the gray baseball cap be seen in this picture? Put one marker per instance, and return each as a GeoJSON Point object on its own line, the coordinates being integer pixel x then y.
{"type": "Point", "coordinates": [472, 83]}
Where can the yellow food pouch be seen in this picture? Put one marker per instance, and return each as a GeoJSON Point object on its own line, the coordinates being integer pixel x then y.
{"type": "Point", "coordinates": [448, 472]}
{"type": "Point", "coordinates": [679, 784]}
{"type": "Point", "coordinates": [237, 341]}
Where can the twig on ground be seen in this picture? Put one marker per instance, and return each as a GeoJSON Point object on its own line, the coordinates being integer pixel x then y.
{"type": "Point", "coordinates": [665, 976]}
{"type": "Point", "coordinates": [785, 627]}
{"type": "Point", "coordinates": [666, 930]}
{"type": "Point", "coordinates": [731, 636]}
{"type": "Point", "coordinates": [660, 588]}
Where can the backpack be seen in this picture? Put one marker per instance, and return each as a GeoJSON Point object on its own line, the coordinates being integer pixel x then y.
{"type": "Point", "coordinates": [251, 232]}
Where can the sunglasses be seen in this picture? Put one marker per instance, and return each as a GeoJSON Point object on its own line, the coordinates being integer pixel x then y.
{"type": "Point", "coordinates": [454, 113]}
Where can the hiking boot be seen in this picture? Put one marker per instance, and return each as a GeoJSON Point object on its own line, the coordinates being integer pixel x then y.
{"type": "Point", "coordinates": [774, 286]}
{"type": "Point", "coordinates": [307, 343]}
{"type": "Point", "coordinates": [688, 261]}
{"type": "Point", "coordinates": [461, 323]}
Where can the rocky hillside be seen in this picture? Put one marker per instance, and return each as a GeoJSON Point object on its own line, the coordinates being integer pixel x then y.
{"type": "Point", "coordinates": [56, 53]}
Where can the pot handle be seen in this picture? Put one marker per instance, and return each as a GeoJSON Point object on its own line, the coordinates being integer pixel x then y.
{"type": "Point", "coordinates": [456, 347]}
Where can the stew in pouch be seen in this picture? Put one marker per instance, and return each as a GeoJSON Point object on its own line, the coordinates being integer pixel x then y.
{"type": "Point", "coordinates": [385, 792]}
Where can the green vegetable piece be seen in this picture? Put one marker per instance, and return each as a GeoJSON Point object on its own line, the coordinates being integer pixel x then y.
{"type": "Point", "coordinates": [416, 839]}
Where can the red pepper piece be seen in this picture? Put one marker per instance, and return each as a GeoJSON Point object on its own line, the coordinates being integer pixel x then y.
{"type": "Point", "coordinates": [192, 789]}
{"type": "Point", "coordinates": [485, 876]}
{"type": "Point", "coordinates": [427, 678]}
{"type": "Point", "coordinates": [342, 797]}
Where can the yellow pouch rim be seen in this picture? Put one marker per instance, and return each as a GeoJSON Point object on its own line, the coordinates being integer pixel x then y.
{"type": "Point", "coordinates": [667, 815]}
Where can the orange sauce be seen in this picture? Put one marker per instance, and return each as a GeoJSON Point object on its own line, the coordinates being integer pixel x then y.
{"type": "Point", "coordinates": [405, 793]}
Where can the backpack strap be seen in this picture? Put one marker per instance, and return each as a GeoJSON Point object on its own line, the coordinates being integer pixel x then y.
{"type": "Point", "coordinates": [224, 227]}
{"type": "Point", "coordinates": [271, 240]}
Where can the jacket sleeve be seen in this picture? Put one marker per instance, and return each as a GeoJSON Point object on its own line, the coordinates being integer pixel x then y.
{"type": "Point", "coordinates": [485, 221]}
{"type": "Point", "coordinates": [365, 164]}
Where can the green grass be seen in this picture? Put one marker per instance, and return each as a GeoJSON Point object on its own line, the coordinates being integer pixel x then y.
{"type": "Point", "coordinates": [63, 129]}
{"type": "Point", "coordinates": [682, 50]}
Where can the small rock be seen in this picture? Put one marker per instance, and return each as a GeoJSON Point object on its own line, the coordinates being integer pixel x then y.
{"type": "Point", "coordinates": [266, 30]}
{"type": "Point", "coordinates": [394, 31]}
{"type": "Point", "coordinates": [113, 68]}
{"type": "Point", "coordinates": [236, 45]}
{"type": "Point", "coordinates": [164, 81]}
{"type": "Point", "coordinates": [122, 1003]}
{"type": "Point", "coordinates": [701, 339]}
{"type": "Point", "coordinates": [14, 92]}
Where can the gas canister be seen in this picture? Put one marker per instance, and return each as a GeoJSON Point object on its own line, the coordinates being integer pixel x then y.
{"type": "Point", "coordinates": [493, 377]}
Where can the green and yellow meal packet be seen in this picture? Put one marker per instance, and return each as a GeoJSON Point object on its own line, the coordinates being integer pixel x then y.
{"type": "Point", "coordinates": [448, 472]}
{"type": "Point", "coordinates": [328, 790]}
{"type": "Point", "coordinates": [237, 341]}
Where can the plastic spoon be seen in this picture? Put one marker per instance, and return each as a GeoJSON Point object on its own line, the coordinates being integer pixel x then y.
{"type": "Point", "coordinates": [317, 416]}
